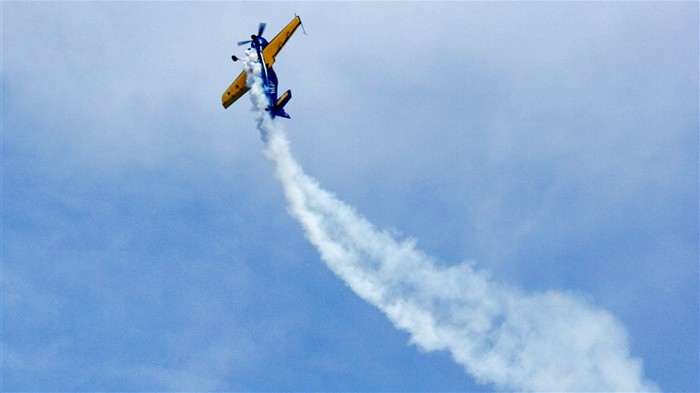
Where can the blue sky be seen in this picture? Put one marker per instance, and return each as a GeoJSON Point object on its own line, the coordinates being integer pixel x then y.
{"type": "Point", "coordinates": [146, 244]}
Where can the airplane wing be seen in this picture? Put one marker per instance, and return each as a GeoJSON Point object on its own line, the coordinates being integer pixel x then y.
{"type": "Point", "coordinates": [235, 91]}
{"type": "Point", "coordinates": [273, 48]}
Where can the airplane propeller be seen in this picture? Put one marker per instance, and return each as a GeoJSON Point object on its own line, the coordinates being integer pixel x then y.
{"type": "Point", "coordinates": [261, 30]}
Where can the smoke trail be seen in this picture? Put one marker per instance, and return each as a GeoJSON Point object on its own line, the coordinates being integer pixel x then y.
{"type": "Point", "coordinates": [548, 341]}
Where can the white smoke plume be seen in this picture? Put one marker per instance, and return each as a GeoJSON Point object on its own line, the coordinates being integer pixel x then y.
{"type": "Point", "coordinates": [548, 341]}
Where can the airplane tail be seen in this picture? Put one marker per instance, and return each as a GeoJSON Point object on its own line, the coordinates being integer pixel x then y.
{"type": "Point", "coordinates": [281, 102]}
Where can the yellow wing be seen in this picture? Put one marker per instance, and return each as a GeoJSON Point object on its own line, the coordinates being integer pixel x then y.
{"type": "Point", "coordinates": [273, 48]}
{"type": "Point", "coordinates": [235, 91]}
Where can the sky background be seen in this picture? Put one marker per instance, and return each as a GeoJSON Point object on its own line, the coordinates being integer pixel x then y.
{"type": "Point", "coordinates": [146, 244]}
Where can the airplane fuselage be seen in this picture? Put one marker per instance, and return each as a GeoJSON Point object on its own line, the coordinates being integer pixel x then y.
{"type": "Point", "coordinates": [269, 77]}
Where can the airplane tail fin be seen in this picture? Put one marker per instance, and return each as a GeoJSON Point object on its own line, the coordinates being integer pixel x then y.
{"type": "Point", "coordinates": [281, 102]}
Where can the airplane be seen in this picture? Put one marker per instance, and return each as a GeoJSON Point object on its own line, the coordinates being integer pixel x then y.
{"type": "Point", "coordinates": [267, 51]}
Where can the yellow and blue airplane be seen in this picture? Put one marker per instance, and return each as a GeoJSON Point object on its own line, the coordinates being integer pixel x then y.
{"type": "Point", "coordinates": [267, 51]}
